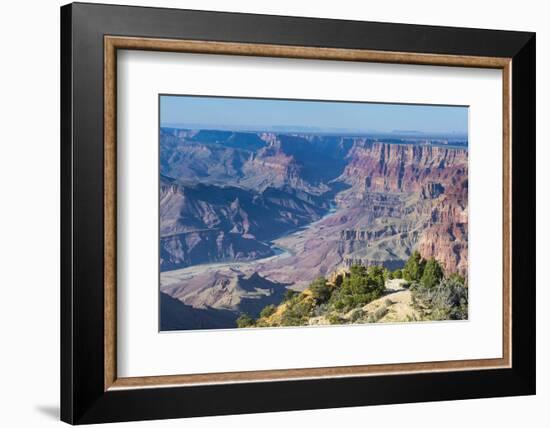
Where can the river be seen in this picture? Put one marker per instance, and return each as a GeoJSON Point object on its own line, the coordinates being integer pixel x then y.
{"type": "Point", "coordinates": [177, 275]}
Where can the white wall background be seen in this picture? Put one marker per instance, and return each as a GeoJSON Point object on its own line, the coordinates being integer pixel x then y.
{"type": "Point", "coordinates": [29, 214]}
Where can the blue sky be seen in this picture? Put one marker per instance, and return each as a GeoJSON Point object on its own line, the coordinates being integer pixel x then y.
{"type": "Point", "coordinates": [252, 114]}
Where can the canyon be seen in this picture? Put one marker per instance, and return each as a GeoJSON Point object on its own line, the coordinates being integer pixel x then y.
{"type": "Point", "coordinates": [244, 216]}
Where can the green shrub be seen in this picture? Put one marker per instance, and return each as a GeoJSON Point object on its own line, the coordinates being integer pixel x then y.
{"type": "Point", "coordinates": [357, 270]}
{"type": "Point", "coordinates": [335, 319]}
{"type": "Point", "coordinates": [378, 274]}
{"type": "Point", "coordinates": [398, 274]}
{"type": "Point", "coordinates": [320, 290]}
{"type": "Point", "coordinates": [289, 294]}
{"type": "Point", "coordinates": [362, 286]}
{"type": "Point", "coordinates": [297, 312]}
{"type": "Point", "coordinates": [268, 311]}
{"type": "Point", "coordinates": [245, 320]}
{"type": "Point", "coordinates": [456, 277]}
{"type": "Point", "coordinates": [380, 313]}
{"type": "Point", "coordinates": [320, 310]}
{"type": "Point", "coordinates": [414, 268]}
{"type": "Point", "coordinates": [446, 301]}
{"type": "Point", "coordinates": [356, 315]}
{"type": "Point", "coordinates": [432, 274]}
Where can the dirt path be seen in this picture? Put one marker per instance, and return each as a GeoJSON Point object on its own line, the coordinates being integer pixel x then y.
{"type": "Point", "coordinates": [398, 305]}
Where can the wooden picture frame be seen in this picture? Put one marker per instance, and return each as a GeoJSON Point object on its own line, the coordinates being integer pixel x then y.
{"type": "Point", "coordinates": [91, 390]}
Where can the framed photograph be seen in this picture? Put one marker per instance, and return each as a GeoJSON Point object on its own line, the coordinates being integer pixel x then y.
{"type": "Point", "coordinates": [266, 213]}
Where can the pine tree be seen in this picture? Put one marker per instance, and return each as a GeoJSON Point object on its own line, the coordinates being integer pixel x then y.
{"type": "Point", "coordinates": [414, 268]}
{"type": "Point", "coordinates": [432, 274]}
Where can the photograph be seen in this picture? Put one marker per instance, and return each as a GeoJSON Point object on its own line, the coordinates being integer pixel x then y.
{"type": "Point", "coordinates": [294, 213]}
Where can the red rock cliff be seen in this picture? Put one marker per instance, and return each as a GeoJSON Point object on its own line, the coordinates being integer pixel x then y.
{"type": "Point", "coordinates": [446, 236]}
{"type": "Point", "coordinates": [381, 167]}
{"type": "Point", "coordinates": [439, 175]}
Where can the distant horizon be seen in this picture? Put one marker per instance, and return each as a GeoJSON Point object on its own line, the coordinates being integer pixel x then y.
{"type": "Point", "coordinates": [320, 131]}
{"type": "Point", "coordinates": [307, 116]}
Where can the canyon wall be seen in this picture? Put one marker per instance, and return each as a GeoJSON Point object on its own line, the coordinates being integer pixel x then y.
{"type": "Point", "coordinates": [437, 175]}
{"type": "Point", "coordinates": [383, 167]}
{"type": "Point", "coordinates": [225, 195]}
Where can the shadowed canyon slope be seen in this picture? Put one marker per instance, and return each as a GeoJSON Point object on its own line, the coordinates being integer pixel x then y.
{"type": "Point", "coordinates": [246, 215]}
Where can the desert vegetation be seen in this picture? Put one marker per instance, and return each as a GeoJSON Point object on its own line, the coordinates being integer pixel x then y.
{"type": "Point", "coordinates": [419, 291]}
